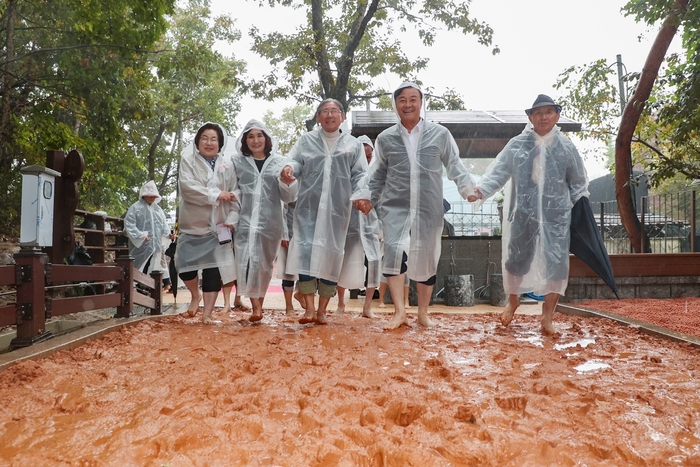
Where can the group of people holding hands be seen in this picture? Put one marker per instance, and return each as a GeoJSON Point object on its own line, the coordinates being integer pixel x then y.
{"type": "Point", "coordinates": [326, 214]}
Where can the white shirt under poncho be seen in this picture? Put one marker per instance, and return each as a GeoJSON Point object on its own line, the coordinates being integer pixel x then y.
{"type": "Point", "coordinates": [408, 181]}
{"type": "Point", "coordinates": [327, 178]}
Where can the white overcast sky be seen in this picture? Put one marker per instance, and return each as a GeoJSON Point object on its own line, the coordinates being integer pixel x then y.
{"type": "Point", "coordinates": [538, 40]}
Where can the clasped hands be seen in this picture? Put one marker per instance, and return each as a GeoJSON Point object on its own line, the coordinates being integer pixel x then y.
{"type": "Point", "coordinates": [476, 196]}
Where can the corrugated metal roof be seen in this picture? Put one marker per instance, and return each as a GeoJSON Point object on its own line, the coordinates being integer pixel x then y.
{"type": "Point", "coordinates": [479, 133]}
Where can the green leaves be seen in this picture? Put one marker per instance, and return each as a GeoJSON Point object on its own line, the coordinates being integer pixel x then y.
{"type": "Point", "coordinates": [351, 42]}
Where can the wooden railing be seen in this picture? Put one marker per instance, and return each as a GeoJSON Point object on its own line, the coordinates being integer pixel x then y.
{"type": "Point", "coordinates": [36, 281]}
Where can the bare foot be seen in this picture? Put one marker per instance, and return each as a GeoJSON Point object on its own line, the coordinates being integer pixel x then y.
{"type": "Point", "coordinates": [214, 322]}
{"type": "Point", "coordinates": [340, 308]}
{"type": "Point", "coordinates": [194, 305]}
{"type": "Point", "coordinates": [507, 315]}
{"type": "Point", "coordinates": [290, 312]}
{"type": "Point", "coordinates": [368, 314]}
{"type": "Point", "coordinates": [381, 305]}
{"type": "Point", "coordinates": [407, 306]}
{"type": "Point", "coordinates": [321, 318]}
{"type": "Point", "coordinates": [256, 316]}
{"type": "Point", "coordinates": [396, 321]}
{"type": "Point", "coordinates": [308, 318]}
{"type": "Point", "coordinates": [547, 326]}
{"type": "Point", "coordinates": [298, 298]}
{"type": "Point", "coordinates": [425, 320]}
{"type": "Point", "coordinates": [207, 319]}
{"type": "Point", "coordinates": [240, 306]}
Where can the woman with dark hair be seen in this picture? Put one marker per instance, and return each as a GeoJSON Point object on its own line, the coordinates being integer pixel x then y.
{"type": "Point", "coordinates": [261, 223]}
{"type": "Point", "coordinates": [208, 214]}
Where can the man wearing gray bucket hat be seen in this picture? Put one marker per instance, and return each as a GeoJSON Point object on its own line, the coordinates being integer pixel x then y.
{"type": "Point", "coordinates": [544, 176]}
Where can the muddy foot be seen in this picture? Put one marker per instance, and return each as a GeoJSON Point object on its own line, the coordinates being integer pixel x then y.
{"type": "Point", "coordinates": [425, 320]}
{"type": "Point", "coordinates": [396, 322]}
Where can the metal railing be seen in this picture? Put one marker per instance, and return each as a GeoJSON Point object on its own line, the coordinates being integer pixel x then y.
{"type": "Point", "coordinates": [667, 222]}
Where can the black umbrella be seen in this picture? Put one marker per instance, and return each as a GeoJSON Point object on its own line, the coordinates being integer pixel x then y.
{"type": "Point", "coordinates": [587, 243]}
{"type": "Point", "coordinates": [170, 252]}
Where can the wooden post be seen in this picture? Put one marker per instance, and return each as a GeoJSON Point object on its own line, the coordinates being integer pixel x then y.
{"type": "Point", "coordinates": [157, 292]}
{"type": "Point", "coordinates": [30, 272]}
{"type": "Point", "coordinates": [71, 168]}
{"type": "Point", "coordinates": [126, 286]}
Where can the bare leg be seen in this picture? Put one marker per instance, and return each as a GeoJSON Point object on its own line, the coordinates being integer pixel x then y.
{"type": "Point", "coordinates": [341, 300]}
{"type": "Point", "coordinates": [395, 284]}
{"type": "Point", "coordinates": [548, 307]}
{"type": "Point", "coordinates": [310, 307]}
{"type": "Point", "coordinates": [288, 305]}
{"type": "Point", "coordinates": [193, 287]}
{"type": "Point", "coordinates": [257, 310]}
{"type": "Point", "coordinates": [509, 311]}
{"type": "Point", "coordinates": [382, 290]}
{"type": "Point", "coordinates": [424, 294]}
{"type": "Point", "coordinates": [209, 301]}
{"type": "Point", "coordinates": [226, 290]}
{"type": "Point", "coordinates": [299, 298]}
{"type": "Point", "coordinates": [321, 312]}
{"type": "Point", "coordinates": [405, 297]}
{"type": "Point", "coordinates": [367, 307]}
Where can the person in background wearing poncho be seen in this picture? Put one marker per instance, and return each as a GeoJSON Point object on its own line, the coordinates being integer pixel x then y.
{"type": "Point", "coordinates": [146, 226]}
{"type": "Point", "coordinates": [261, 222]}
{"type": "Point", "coordinates": [545, 177]}
{"type": "Point", "coordinates": [362, 249]}
{"type": "Point", "coordinates": [330, 166]}
{"type": "Point", "coordinates": [208, 205]}
{"type": "Point", "coordinates": [407, 178]}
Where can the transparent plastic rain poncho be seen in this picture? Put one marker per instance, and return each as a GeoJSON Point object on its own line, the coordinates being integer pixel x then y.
{"type": "Point", "coordinates": [144, 220]}
{"type": "Point", "coordinates": [282, 251]}
{"type": "Point", "coordinates": [362, 241]}
{"type": "Point", "coordinates": [200, 211]}
{"type": "Point", "coordinates": [327, 180]}
{"type": "Point", "coordinates": [545, 176]}
{"type": "Point", "coordinates": [409, 185]}
{"type": "Point", "coordinates": [261, 222]}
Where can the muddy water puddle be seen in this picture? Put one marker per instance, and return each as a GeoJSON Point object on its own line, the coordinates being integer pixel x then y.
{"type": "Point", "coordinates": [172, 392]}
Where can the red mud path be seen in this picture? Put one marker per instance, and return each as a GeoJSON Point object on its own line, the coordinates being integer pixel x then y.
{"type": "Point", "coordinates": [173, 392]}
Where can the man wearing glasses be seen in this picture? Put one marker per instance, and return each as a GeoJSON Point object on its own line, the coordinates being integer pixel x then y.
{"type": "Point", "coordinates": [330, 167]}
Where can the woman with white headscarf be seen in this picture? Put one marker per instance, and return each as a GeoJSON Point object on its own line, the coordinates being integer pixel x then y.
{"type": "Point", "coordinates": [146, 226]}
{"type": "Point", "coordinates": [208, 210]}
{"type": "Point", "coordinates": [261, 222]}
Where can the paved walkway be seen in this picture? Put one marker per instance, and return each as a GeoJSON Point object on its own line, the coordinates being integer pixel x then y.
{"type": "Point", "coordinates": [274, 300]}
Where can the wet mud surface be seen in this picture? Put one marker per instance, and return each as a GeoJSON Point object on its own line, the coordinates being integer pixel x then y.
{"type": "Point", "coordinates": [677, 314]}
{"type": "Point", "coordinates": [173, 392]}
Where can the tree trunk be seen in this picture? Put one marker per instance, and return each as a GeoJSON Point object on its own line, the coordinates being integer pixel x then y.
{"type": "Point", "coordinates": [152, 152]}
{"type": "Point", "coordinates": [5, 130]}
{"type": "Point", "coordinates": [628, 123]}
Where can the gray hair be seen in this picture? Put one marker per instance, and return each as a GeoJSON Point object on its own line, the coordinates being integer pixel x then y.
{"type": "Point", "coordinates": [325, 101]}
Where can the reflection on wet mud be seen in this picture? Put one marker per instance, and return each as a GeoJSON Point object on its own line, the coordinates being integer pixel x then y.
{"type": "Point", "coordinates": [172, 392]}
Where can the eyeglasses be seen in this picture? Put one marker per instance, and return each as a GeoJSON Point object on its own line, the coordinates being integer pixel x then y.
{"type": "Point", "coordinates": [205, 139]}
{"type": "Point", "coordinates": [330, 112]}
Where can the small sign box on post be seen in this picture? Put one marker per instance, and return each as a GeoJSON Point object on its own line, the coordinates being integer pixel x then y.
{"type": "Point", "coordinates": [38, 191]}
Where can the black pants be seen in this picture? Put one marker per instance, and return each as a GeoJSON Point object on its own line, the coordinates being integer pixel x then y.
{"type": "Point", "coordinates": [211, 279]}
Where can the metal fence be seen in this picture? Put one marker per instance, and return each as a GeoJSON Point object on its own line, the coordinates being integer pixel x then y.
{"type": "Point", "coordinates": [466, 222]}
{"type": "Point", "coordinates": [667, 221]}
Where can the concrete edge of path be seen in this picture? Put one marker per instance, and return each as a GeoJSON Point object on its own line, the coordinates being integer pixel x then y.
{"type": "Point", "coordinates": [643, 326]}
{"type": "Point", "coordinates": [76, 338]}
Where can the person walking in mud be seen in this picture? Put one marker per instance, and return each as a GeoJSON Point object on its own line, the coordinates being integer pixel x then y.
{"type": "Point", "coordinates": [330, 166]}
{"type": "Point", "coordinates": [544, 176]}
{"type": "Point", "coordinates": [407, 177]}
